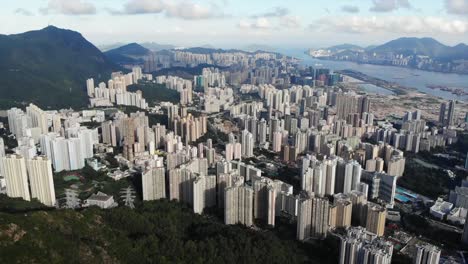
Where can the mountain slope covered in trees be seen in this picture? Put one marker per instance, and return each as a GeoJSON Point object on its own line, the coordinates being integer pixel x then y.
{"type": "Point", "coordinates": [49, 67]}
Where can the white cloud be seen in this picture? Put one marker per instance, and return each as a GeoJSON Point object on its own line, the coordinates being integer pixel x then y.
{"type": "Point", "coordinates": [185, 9]}
{"type": "Point", "coordinates": [391, 24]}
{"type": "Point", "coordinates": [350, 9]}
{"type": "Point", "coordinates": [268, 23]}
{"type": "Point", "coordinates": [259, 23]}
{"type": "Point", "coordinates": [144, 7]}
{"type": "Point", "coordinates": [190, 11]}
{"type": "Point", "coordinates": [24, 12]}
{"type": "Point", "coordinates": [290, 21]}
{"type": "Point", "coordinates": [69, 7]}
{"type": "Point", "coordinates": [459, 7]}
{"type": "Point", "coordinates": [389, 5]}
{"type": "Point", "coordinates": [277, 12]}
{"type": "Point", "coordinates": [277, 18]}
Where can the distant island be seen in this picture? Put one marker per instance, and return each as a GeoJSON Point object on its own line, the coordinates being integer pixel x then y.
{"type": "Point", "coordinates": [417, 53]}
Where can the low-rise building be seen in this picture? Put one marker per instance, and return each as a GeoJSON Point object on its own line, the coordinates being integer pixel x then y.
{"type": "Point", "coordinates": [101, 200]}
{"type": "Point", "coordinates": [440, 209]}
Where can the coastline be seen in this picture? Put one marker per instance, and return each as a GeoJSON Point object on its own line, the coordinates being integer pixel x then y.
{"type": "Point", "coordinates": [391, 86]}
{"type": "Point", "coordinates": [386, 65]}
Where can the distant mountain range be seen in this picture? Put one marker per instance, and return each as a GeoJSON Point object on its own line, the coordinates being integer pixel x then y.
{"type": "Point", "coordinates": [132, 49]}
{"type": "Point", "coordinates": [152, 46]}
{"type": "Point", "coordinates": [342, 47]}
{"type": "Point", "coordinates": [202, 50]}
{"type": "Point", "coordinates": [157, 47]}
{"type": "Point", "coordinates": [425, 47]}
{"type": "Point", "coordinates": [49, 67]}
{"type": "Point", "coordinates": [423, 53]}
{"type": "Point", "coordinates": [130, 54]}
{"type": "Point", "coordinates": [257, 47]}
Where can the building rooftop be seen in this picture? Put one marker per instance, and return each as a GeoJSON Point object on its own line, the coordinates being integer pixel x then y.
{"type": "Point", "coordinates": [100, 196]}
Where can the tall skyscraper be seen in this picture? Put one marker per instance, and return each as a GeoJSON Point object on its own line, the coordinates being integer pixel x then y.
{"type": "Point", "coordinates": [204, 193]}
{"type": "Point", "coordinates": [247, 144]}
{"type": "Point", "coordinates": [41, 180]}
{"type": "Point", "coordinates": [426, 254]}
{"type": "Point", "coordinates": [137, 74]}
{"type": "Point", "coordinates": [359, 214]}
{"type": "Point", "coordinates": [262, 132]}
{"type": "Point", "coordinates": [260, 198]}
{"type": "Point", "coordinates": [344, 208]}
{"type": "Point", "coordinates": [351, 104]}
{"type": "Point", "coordinates": [2, 154]}
{"type": "Point", "coordinates": [154, 183]}
{"type": "Point", "coordinates": [442, 113]}
{"type": "Point", "coordinates": [466, 161]}
{"type": "Point", "coordinates": [361, 246]}
{"type": "Point", "coordinates": [330, 181]}
{"type": "Point", "coordinates": [277, 138]}
{"type": "Point", "coordinates": [38, 118]}
{"type": "Point", "coordinates": [271, 213]}
{"type": "Point", "coordinates": [181, 185]}
{"type": "Point", "coordinates": [348, 176]}
{"type": "Point", "coordinates": [312, 218]}
{"type": "Point", "coordinates": [448, 118]}
{"type": "Point", "coordinates": [465, 232]}
{"type": "Point", "coordinates": [18, 122]}
{"type": "Point", "coordinates": [16, 177]}
{"type": "Point", "coordinates": [451, 115]}
{"type": "Point", "coordinates": [109, 133]}
{"type": "Point", "coordinates": [2, 148]}
{"type": "Point", "coordinates": [90, 87]}
{"type": "Point", "coordinates": [238, 205]}
{"type": "Point", "coordinates": [264, 200]}
{"type": "Point", "coordinates": [375, 221]}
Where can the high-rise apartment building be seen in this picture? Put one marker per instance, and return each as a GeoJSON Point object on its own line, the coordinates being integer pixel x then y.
{"type": "Point", "coordinates": [2, 154]}
{"type": "Point", "coordinates": [426, 254]}
{"type": "Point", "coordinates": [312, 218]}
{"type": "Point", "coordinates": [90, 87]}
{"type": "Point", "coordinates": [18, 122]}
{"type": "Point", "coordinates": [448, 117]}
{"type": "Point", "coordinates": [16, 176]}
{"type": "Point", "coordinates": [154, 183]}
{"type": "Point", "coordinates": [344, 208]}
{"type": "Point", "coordinates": [181, 185]}
{"type": "Point", "coordinates": [204, 193]}
{"type": "Point", "coordinates": [264, 200]}
{"type": "Point", "coordinates": [359, 212]}
{"type": "Point", "coordinates": [226, 179]}
{"type": "Point", "coordinates": [247, 144]}
{"type": "Point", "coordinates": [362, 246]}
{"type": "Point", "coordinates": [41, 180]}
{"type": "Point", "coordinates": [238, 205]}
{"type": "Point", "coordinates": [38, 118]}
{"type": "Point", "coordinates": [451, 115]}
{"type": "Point", "coordinates": [465, 232]}
{"type": "Point", "coordinates": [375, 221]}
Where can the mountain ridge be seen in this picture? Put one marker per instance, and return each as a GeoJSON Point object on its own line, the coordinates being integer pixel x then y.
{"type": "Point", "coordinates": [419, 53]}
{"type": "Point", "coordinates": [420, 46]}
{"type": "Point", "coordinates": [49, 67]}
{"type": "Point", "coordinates": [131, 49]}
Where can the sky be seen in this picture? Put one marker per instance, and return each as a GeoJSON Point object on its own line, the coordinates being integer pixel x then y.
{"type": "Point", "coordinates": [239, 23]}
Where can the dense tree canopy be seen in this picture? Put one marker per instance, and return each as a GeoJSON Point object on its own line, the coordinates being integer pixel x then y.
{"type": "Point", "coordinates": [155, 232]}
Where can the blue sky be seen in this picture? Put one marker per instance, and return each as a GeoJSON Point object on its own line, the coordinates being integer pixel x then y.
{"type": "Point", "coordinates": [237, 23]}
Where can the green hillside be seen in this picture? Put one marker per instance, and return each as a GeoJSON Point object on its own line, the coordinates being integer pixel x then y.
{"type": "Point", "coordinates": [155, 232]}
{"type": "Point", "coordinates": [131, 54]}
{"type": "Point", "coordinates": [49, 67]}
